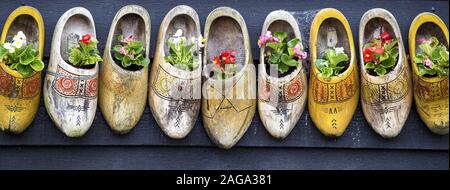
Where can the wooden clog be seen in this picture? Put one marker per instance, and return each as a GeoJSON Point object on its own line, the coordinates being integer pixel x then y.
{"type": "Point", "coordinates": [332, 103]}
{"type": "Point", "coordinates": [20, 96]}
{"type": "Point", "coordinates": [70, 93]}
{"type": "Point", "coordinates": [174, 94]}
{"type": "Point", "coordinates": [122, 92]}
{"type": "Point", "coordinates": [228, 105]}
{"type": "Point", "coordinates": [386, 100]}
{"type": "Point", "coordinates": [430, 93]}
{"type": "Point", "coordinates": [280, 114]}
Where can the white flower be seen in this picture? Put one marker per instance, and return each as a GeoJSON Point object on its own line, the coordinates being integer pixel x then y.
{"type": "Point", "coordinates": [20, 36]}
{"type": "Point", "coordinates": [339, 50]}
{"type": "Point", "coordinates": [9, 47]}
{"type": "Point", "coordinates": [18, 44]}
{"type": "Point", "coordinates": [179, 33]}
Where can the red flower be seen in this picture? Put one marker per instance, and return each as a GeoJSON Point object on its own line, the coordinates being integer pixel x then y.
{"type": "Point", "coordinates": [216, 60]}
{"type": "Point", "coordinates": [86, 39]}
{"type": "Point", "coordinates": [232, 52]}
{"type": "Point", "coordinates": [368, 55]}
{"type": "Point", "coordinates": [233, 59]}
{"type": "Point", "coordinates": [385, 36]}
{"type": "Point", "coordinates": [224, 54]}
{"type": "Point", "coordinates": [379, 50]}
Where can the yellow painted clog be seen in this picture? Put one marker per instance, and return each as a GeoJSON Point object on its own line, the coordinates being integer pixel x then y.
{"type": "Point", "coordinates": [332, 102]}
{"type": "Point", "coordinates": [430, 93]}
{"type": "Point", "coordinates": [20, 96]}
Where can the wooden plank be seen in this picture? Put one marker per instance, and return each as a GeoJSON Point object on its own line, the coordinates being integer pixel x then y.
{"type": "Point", "coordinates": [359, 135]}
{"type": "Point", "coordinates": [202, 158]}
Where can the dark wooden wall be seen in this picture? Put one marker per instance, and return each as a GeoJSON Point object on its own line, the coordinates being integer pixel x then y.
{"type": "Point", "coordinates": [42, 146]}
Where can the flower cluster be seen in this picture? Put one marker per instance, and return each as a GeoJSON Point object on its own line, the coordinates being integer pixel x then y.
{"type": "Point", "coordinates": [181, 55]}
{"type": "Point", "coordinates": [332, 64]}
{"type": "Point", "coordinates": [86, 53]}
{"type": "Point", "coordinates": [433, 58]}
{"type": "Point", "coordinates": [130, 52]}
{"type": "Point", "coordinates": [225, 63]}
{"type": "Point", "coordinates": [21, 57]}
{"type": "Point", "coordinates": [282, 53]}
{"type": "Point", "coordinates": [380, 54]}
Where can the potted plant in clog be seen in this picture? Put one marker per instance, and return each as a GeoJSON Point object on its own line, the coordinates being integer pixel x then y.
{"type": "Point", "coordinates": [334, 86]}
{"type": "Point", "coordinates": [428, 47]}
{"type": "Point", "coordinates": [229, 88]}
{"type": "Point", "coordinates": [21, 50]}
{"type": "Point", "coordinates": [386, 87]}
{"type": "Point", "coordinates": [282, 79]}
{"type": "Point", "coordinates": [124, 71]}
{"type": "Point", "coordinates": [70, 85]}
{"type": "Point", "coordinates": [175, 80]}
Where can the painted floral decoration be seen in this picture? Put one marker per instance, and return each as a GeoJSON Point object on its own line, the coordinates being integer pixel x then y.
{"type": "Point", "coordinates": [380, 54]}
{"type": "Point", "coordinates": [282, 53]}
{"type": "Point", "coordinates": [86, 53]}
{"type": "Point", "coordinates": [332, 65]}
{"type": "Point", "coordinates": [226, 64]}
{"type": "Point", "coordinates": [181, 55]}
{"type": "Point", "coordinates": [432, 60]}
{"type": "Point", "coordinates": [21, 57]}
{"type": "Point", "coordinates": [130, 52]}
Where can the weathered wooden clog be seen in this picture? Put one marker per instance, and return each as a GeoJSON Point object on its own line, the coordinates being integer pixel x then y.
{"type": "Point", "coordinates": [430, 93]}
{"type": "Point", "coordinates": [332, 103]}
{"type": "Point", "coordinates": [281, 101]}
{"type": "Point", "coordinates": [122, 92]}
{"type": "Point", "coordinates": [386, 100]}
{"type": "Point", "coordinates": [174, 94]}
{"type": "Point", "coordinates": [70, 93]}
{"type": "Point", "coordinates": [20, 96]}
{"type": "Point", "coordinates": [228, 105]}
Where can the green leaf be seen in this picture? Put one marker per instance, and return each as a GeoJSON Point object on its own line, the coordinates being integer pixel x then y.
{"type": "Point", "coordinates": [334, 60]}
{"type": "Point", "coordinates": [426, 48]}
{"type": "Point", "coordinates": [388, 63]}
{"type": "Point", "coordinates": [3, 52]}
{"type": "Point", "coordinates": [282, 68]}
{"type": "Point", "coordinates": [272, 45]}
{"type": "Point", "coordinates": [321, 63]}
{"type": "Point", "coordinates": [369, 65]}
{"type": "Point", "coordinates": [26, 59]}
{"type": "Point", "coordinates": [390, 45]}
{"type": "Point", "coordinates": [274, 59]}
{"type": "Point", "coordinates": [293, 42]}
{"type": "Point", "coordinates": [37, 65]}
{"type": "Point", "coordinates": [25, 70]}
{"type": "Point", "coordinates": [326, 72]}
{"type": "Point", "coordinates": [380, 71]}
{"type": "Point", "coordinates": [75, 56]}
{"type": "Point", "coordinates": [280, 35]}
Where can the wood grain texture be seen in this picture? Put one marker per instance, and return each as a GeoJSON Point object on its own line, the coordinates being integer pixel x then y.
{"type": "Point", "coordinates": [415, 135]}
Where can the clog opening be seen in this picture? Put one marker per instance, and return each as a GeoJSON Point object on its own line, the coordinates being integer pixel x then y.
{"type": "Point", "coordinates": [331, 34]}
{"type": "Point", "coordinates": [75, 27]}
{"type": "Point", "coordinates": [129, 25]}
{"type": "Point", "coordinates": [373, 29]}
{"type": "Point", "coordinates": [280, 26]}
{"type": "Point", "coordinates": [28, 25]}
{"type": "Point", "coordinates": [225, 34]}
{"type": "Point", "coordinates": [187, 25]}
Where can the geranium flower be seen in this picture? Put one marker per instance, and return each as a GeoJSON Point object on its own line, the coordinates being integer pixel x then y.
{"type": "Point", "coordinates": [267, 37]}
{"type": "Point", "coordinates": [299, 52]}
{"type": "Point", "coordinates": [123, 51]}
{"type": "Point", "coordinates": [428, 63]}
{"type": "Point", "coordinates": [9, 47]}
{"type": "Point", "coordinates": [379, 50]}
{"type": "Point", "coordinates": [385, 36]}
{"type": "Point", "coordinates": [368, 55]}
{"type": "Point", "coordinates": [20, 36]}
{"type": "Point", "coordinates": [127, 39]}
{"type": "Point", "coordinates": [86, 39]}
{"type": "Point", "coordinates": [216, 60]}
{"type": "Point", "coordinates": [424, 40]}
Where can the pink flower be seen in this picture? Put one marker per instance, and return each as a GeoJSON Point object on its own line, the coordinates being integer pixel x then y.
{"type": "Point", "coordinates": [299, 52]}
{"type": "Point", "coordinates": [275, 39]}
{"type": "Point", "coordinates": [267, 37]}
{"type": "Point", "coordinates": [424, 40]}
{"type": "Point", "coordinates": [127, 39]}
{"type": "Point", "coordinates": [428, 63]}
{"type": "Point", "coordinates": [123, 51]}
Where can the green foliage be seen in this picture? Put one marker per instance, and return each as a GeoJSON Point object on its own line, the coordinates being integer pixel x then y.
{"type": "Point", "coordinates": [181, 55]}
{"type": "Point", "coordinates": [132, 53]}
{"type": "Point", "coordinates": [330, 66]}
{"type": "Point", "coordinates": [384, 62]}
{"type": "Point", "coordinates": [433, 58]}
{"type": "Point", "coordinates": [24, 60]}
{"type": "Point", "coordinates": [282, 52]}
{"type": "Point", "coordinates": [85, 54]}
